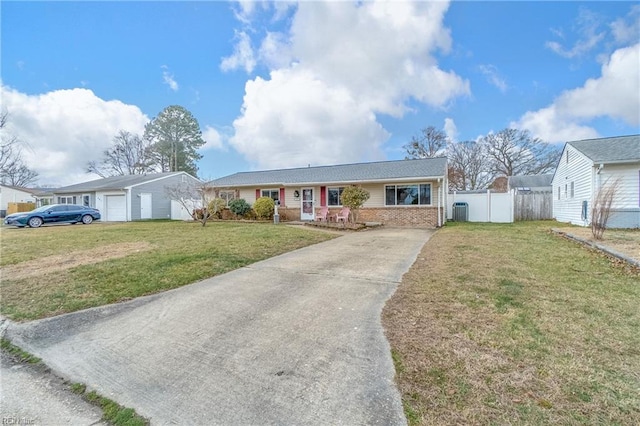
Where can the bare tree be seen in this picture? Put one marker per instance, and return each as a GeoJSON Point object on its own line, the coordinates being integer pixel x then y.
{"type": "Point", "coordinates": [430, 143]}
{"type": "Point", "coordinates": [515, 152]}
{"type": "Point", "coordinates": [13, 171]}
{"type": "Point", "coordinates": [130, 155]}
{"type": "Point", "coordinates": [469, 167]}
{"type": "Point", "coordinates": [601, 208]}
{"type": "Point", "coordinates": [190, 195]}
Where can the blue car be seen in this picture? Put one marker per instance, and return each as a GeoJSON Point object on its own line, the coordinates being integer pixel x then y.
{"type": "Point", "coordinates": [54, 213]}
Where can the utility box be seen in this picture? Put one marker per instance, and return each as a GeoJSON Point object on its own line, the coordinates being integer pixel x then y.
{"type": "Point", "coordinates": [460, 212]}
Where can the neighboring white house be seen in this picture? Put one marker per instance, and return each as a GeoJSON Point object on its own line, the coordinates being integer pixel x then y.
{"type": "Point", "coordinates": [14, 194]}
{"type": "Point", "coordinates": [126, 198]}
{"type": "Point", "coordinates": [588, 165]}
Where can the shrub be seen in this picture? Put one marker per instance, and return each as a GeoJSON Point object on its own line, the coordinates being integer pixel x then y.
{"type": "Point", "coordinates": [239, 207]}
{"type": "Point", "coordinates": [264, 207]}
{"type": "Point", "coordinates": [216, 206]}
{"type": "Point", "coordinates": [354, 197]}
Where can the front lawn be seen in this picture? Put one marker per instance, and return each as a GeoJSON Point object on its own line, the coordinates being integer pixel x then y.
{"type": "Point", "coordinates": [509, 324]}
{"type": "Point", "coordinates": [53, 270]}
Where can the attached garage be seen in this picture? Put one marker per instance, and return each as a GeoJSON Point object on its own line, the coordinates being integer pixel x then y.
{"type": "Point", "coordinates": [116, 208]}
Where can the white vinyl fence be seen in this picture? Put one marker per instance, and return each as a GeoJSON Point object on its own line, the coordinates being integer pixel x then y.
{"type": "Point", "coordinates": [178, 212]}
{"type": "Point", "coordinates": [484, 206]}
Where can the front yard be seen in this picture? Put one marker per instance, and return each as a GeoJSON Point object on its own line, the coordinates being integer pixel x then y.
{"type": "Point", "coordinates": [510, 324]}
{"type": "Point", "coordinates": [58, 269]}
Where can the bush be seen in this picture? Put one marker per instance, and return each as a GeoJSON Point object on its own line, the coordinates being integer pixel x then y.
{"type": "Point", "coordinates": [239, 207]}
{"type": "Point", "coordinates": [354, 197]}
{"type": "Point", "coordinates": [264, 207]}
{"type": "Point", "coordinates": [216, 206]}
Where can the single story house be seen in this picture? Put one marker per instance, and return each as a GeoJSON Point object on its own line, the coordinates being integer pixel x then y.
{"type": "Point", "coordinates": [530, 183]}
{"type": "Point", "coordinates": [588, 165]}
{"type": "Point", "coordinates": [14, 194]}
{"type": "Point", "coordinates": [404, 192]}
{"type": "Point", "coordinates": [126, 198]}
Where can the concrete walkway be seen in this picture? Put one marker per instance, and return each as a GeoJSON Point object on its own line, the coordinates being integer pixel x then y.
{"type": "Point", "coordinates": [295, 339]}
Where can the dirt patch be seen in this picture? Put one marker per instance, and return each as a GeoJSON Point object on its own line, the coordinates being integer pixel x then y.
{"type": "Point", "coordinates": [62, 262]}
{"type": "Point", "coordinates": [625, 241]}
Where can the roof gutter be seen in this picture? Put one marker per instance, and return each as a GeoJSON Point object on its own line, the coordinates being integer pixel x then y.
{"type": "Point", "coordinates": [323, 183]}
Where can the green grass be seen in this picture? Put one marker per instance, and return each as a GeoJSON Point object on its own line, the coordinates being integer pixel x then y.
{"type": "Point", "coordinates": [180, 253]}
{"type": "Point", "coordinates": [509, 324]}
{"type": "Point", "coordinates": [21, 355]}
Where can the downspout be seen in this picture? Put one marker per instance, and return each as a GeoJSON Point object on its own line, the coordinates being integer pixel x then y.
{"type": "Point", "coordinates": [439, 202]}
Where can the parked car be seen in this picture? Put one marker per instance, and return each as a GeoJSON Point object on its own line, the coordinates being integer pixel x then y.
{"type": "Point", "coordinates": [54, 213]}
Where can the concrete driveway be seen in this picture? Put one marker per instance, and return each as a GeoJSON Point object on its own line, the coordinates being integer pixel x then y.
{"type": "Point", "coordinates": [295, 339]}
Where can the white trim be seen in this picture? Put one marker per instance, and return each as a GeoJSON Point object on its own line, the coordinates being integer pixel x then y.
{"type": "Point", "coordinates": [429, 179]}
{"type": "Point", "coordinates": [384, 193]}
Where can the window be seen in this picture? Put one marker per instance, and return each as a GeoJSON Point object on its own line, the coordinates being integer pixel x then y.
{"type": "Point", "coordinates": [67, 200]}
{"type": "Point", "coordinates": [572, 190]}
{"type": "Point", "coordinates": [558, 193]}
{"type": "Point", "coordinates": [227, 196]}
{"type": "Point", "coordinates": [414, 194]}
{"type": "Point", "coordinates": [567, 157]}
{"type": "Point", "coordinates": [273, 193]}
{"type": "Point", "coordinates": [333, 196]}
{"type": "Point", "coordinates": [565, 190]}
{"type": "Point", "coordinates": [86, 200]}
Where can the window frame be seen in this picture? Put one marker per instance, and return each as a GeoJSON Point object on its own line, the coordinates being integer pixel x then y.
{"type": "Point", "coordinates": [88, 197]}
{"type": "Point", "coordinates": [409, 184]}
{"type": "Point", "coordinates": [340, 190]}
{"type": "Point", "coordinates": [66, 199]}
{"type": "Point", "coordinates": [225, 196]}
{"type": "Point", "coordinates": [271, 192]}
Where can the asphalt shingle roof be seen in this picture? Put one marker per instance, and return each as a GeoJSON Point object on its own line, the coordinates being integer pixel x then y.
{"type": "Point", "coordinates": [604, 150]}
{"type": "Point", "coordinates": [112, 183]}
{"type": "Point", "coordinates": [532, 181]}
{"type": "Point", "coordinates": [343, 173]}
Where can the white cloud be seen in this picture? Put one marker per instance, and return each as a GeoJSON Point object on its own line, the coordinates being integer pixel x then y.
{"type": "Point", "coordinates": [64, 129]}
{"type": "Point", "coordinates": [613, 95]}
{"type": "Point", "coordinates": [493, 76]}
{"type": "Point", "coordinates": [281, 128]}
{"type": "Point", "coordinates": [212, 138]}
{"type": "Point", "coordinates": [243, 56]}
{"type": "Point", "coordinates": [587, 27]}
{"type": "Point", "coordinates": [627, 29]}
{"type": "Point", "coordinates": [450, 129]}
{"type": "Point", "coordinates": [168, 78]}
{"type": "Point", "coordinates": [337, 67]}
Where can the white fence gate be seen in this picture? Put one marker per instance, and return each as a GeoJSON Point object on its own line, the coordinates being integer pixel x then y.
{"type": "Point", "coordinates": [485, 206]}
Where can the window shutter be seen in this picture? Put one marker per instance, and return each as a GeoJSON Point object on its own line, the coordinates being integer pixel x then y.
{"type": "Point", "coordinates": [257, 193]}
{"type": "Point", "coordinates": [282, 197]}
{"type": "Point", "coordinates": [323, 196]}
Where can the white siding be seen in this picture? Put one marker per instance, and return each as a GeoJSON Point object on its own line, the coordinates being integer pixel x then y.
{"type": "Point", "coordinates": [11, 195]}
{"type": "Point", "coordinates": [628, 192]}
{"type": "Point", "coordinates": [580, 171]}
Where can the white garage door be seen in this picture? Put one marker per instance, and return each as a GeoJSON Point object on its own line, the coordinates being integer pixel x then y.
{"type": "Point", "coordinates": [116, 208]}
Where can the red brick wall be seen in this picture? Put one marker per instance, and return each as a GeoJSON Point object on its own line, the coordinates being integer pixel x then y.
{"type": "Point", "coordinates": [402, 216]}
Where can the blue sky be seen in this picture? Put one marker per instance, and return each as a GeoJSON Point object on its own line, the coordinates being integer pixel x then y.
{"type": "Point", "coordinates": [285, 84]}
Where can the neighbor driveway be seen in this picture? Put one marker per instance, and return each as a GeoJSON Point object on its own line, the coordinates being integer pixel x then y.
{"type": "Point", "coordinates": [295, 339]}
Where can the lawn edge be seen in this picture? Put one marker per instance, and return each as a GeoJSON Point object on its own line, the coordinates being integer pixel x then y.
{"type": "Point", "coordinates": [112, 412]}
{"type": "Point", "coordinates": [604, 249]}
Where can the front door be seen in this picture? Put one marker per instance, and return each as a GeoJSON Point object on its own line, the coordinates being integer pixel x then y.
{"type": "Point", "coordinates": [307, 210]}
